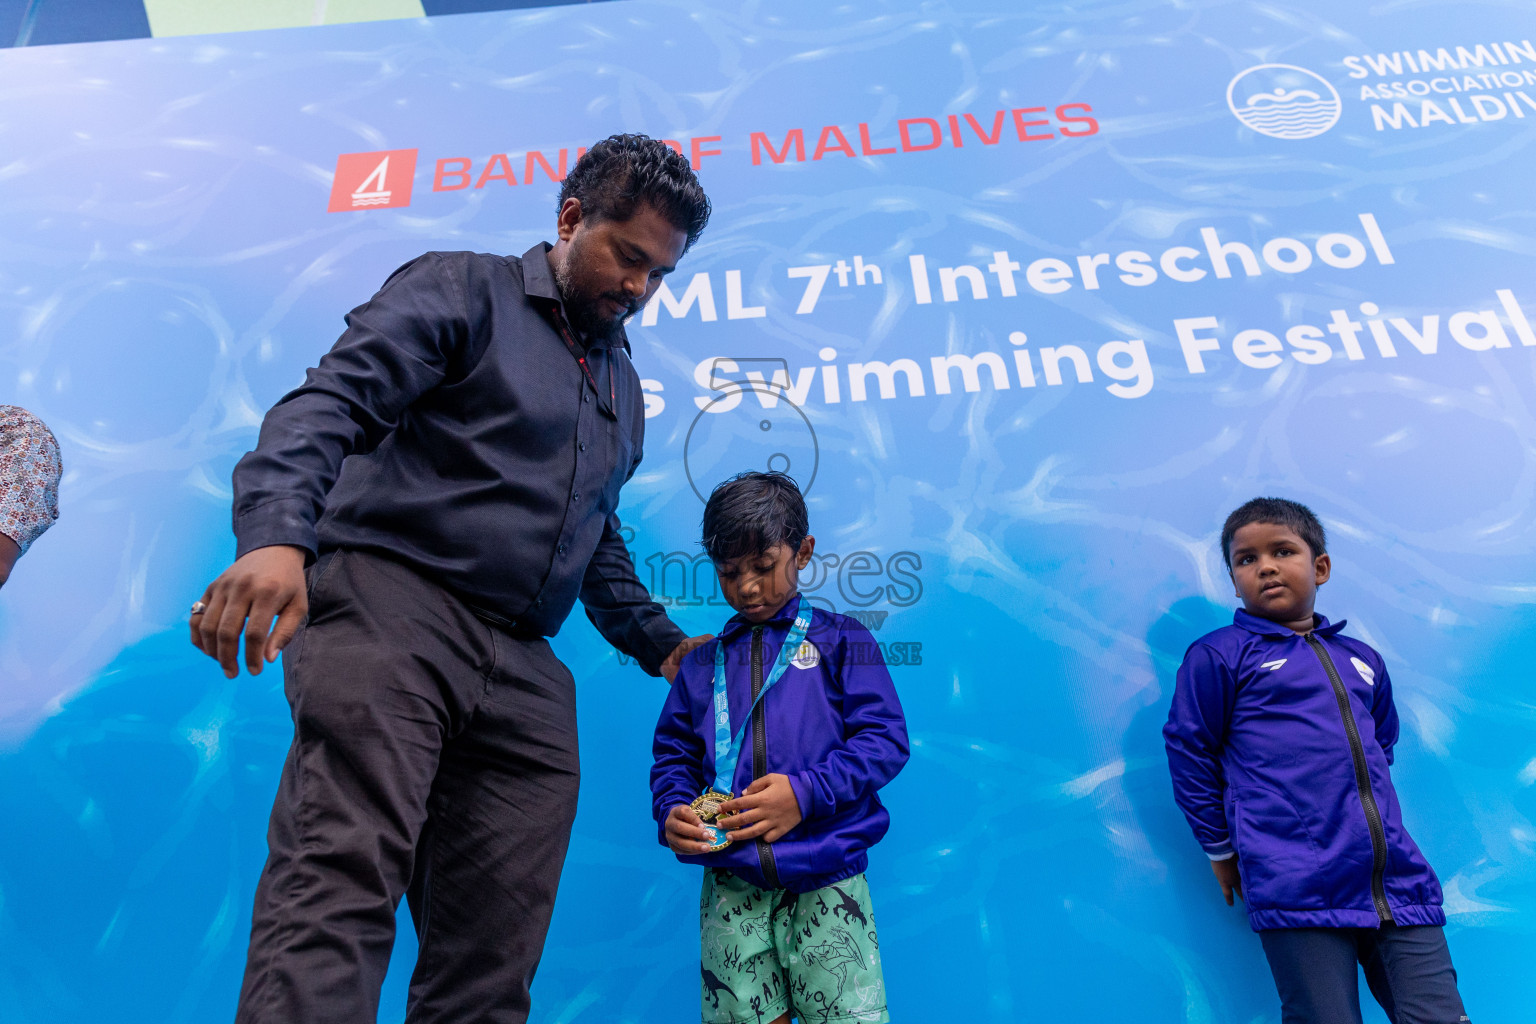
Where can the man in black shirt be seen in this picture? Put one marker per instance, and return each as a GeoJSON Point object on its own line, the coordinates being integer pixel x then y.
{"type": "Point", "coordinates": [418, 517]}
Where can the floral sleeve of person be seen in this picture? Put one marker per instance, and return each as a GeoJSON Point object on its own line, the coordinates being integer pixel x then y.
{"type": "Point", "coordinates": [30, 468]}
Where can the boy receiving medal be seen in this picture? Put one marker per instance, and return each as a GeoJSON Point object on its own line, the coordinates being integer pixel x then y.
{"type": "Point", "coordinates": [768, 755]}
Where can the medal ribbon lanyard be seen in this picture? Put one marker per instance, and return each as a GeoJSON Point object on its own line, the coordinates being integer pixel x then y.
{"type": "Point", "coordinates": [564, 330]}
{"type": "Point", "coordinates": [728, 747]}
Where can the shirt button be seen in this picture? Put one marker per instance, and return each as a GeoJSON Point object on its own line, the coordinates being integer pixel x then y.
{"type": "Point", "coordinates": [576, 496]}
{"type": "Point", "coordinates": [581, 446]}
{"type": "Point", "coordinates": [587, 397]}
{"type": "Point", "coordinates": [560, 550]}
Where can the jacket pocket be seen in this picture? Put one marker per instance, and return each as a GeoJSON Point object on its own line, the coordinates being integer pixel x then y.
{"type": "Point", "coordinates": [830, 845]}
{"type": "Point", "coordinates": [802, 857]}
{"type": "Point", "coordinates": [1278, 858]}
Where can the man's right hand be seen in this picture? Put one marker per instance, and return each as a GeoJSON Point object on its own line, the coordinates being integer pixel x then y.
{"type": "Point", "coordinates": [1227, 877]}
{"type": "Point", "coordinates": [675, 659]}
{"type": "Point", "coordinates": [261, 585]}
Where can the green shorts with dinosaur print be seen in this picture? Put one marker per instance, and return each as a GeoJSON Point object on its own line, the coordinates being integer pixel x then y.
{"type": "Point", "coordinates": [765, 951]}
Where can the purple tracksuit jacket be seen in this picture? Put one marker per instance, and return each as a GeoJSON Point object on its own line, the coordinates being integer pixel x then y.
{"type": "Point", "coordinates": [1279, 746]}
{"type": "Point", "coordinates": [834, 727]}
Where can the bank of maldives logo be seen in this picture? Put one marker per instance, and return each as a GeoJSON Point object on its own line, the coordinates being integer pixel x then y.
{"type": "Point", "coordinates": [1284, 101]}
{"type": "Point", "coordinates": [373, 181]}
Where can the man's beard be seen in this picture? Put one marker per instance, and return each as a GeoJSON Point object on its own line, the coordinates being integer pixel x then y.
{"type": "Point", "coordinates": [582, 306]}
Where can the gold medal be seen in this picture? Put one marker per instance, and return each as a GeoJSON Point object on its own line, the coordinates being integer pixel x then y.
{"type": "Point", "coordinates": [707, 807]}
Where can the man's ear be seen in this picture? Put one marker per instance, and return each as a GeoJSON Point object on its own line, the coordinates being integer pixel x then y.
{"type": "Point", "coordinates": [807, 549]}
{"type": "Point", "coordinates": [568, 218]}
{"type": "Point", "coordinates": [1323, 568]}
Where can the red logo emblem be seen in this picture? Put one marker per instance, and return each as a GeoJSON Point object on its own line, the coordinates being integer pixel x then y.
{"type": "Point", "coordinates": [373, 181]}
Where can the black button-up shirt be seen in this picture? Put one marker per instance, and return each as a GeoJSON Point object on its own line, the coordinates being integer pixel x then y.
{"type": "Point", "coordinates": [453, 429]}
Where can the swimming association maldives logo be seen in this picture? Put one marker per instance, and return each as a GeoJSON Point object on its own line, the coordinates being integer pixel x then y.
{"type": "Point", "coordinates": [373, 181]}
{"type": "Point", "coordinates": [1284, 101]}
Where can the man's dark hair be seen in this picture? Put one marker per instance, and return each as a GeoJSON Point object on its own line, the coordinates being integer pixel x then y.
{"type": "Point", "coordinates": [1280, 511]}
{"type": "Point", "coordinates": [618, 174]}
{"type": "Point", "coordinates": [752, 512]}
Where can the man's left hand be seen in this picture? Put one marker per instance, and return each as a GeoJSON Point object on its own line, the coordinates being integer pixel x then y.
{"type": "Point", "coordinates": [675, 659]}
{"type": "Point", "coordinates": [768, 808]}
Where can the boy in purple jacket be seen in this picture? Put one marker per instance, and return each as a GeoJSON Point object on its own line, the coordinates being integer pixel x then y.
{"type": "Point", "coordinates": [768, 753]}
{"type": "Point", "coordinates": [1279, 741]}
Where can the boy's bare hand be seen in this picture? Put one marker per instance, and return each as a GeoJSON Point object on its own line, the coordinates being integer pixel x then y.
{"type": "Point", "coordinates": [263, 583]}
{"type": "Point", "coordinates": [1226, 873]}
{"type": "Point", "coordinates": [685, 832]}
{"type": "Point", "coordinates": [768, 808]}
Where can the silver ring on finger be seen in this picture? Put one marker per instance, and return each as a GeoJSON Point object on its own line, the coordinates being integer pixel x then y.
{"type": "Point", "coordinates": [198, 607]}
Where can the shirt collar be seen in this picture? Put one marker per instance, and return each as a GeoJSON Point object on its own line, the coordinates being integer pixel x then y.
{"type": "Point", "coordinates": [781, 618]}
{"type": "Point", "coordinates": [1244, 619]}
{"type": "Point", "coordinates": [539, 283]}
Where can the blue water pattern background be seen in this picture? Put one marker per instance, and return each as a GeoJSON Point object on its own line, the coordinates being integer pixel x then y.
{"type": "Point", "coordinates": [170, 270]}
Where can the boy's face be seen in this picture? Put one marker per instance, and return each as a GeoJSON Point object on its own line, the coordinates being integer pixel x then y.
{"type": "Point", "coordinates": [759, 585]}
{"type": "Point", "coordinates": [1276, 575]}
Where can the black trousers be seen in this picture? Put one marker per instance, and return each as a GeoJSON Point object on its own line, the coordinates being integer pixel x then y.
{"type": "Point", "coordinates": [433, 756]}
{"type": "Point", "coordinates": [1408, 970]}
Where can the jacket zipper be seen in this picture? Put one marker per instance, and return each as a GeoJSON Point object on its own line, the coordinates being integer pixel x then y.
{"type": "Point", "coordinates": [760, 753]}
{"type": "Point", "coordinates": [1362, 782]}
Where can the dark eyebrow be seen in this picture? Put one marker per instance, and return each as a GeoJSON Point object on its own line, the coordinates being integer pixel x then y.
{"type": "Point", "coordinates": [645, 257]}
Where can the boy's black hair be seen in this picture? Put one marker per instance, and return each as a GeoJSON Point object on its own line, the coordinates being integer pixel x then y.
{"type": "Point", "coordinates": [619, 173]}
{"type": "Point", "coordinates": [1280, 511]}
{"type": "Point", "coordinates": [750, 513]}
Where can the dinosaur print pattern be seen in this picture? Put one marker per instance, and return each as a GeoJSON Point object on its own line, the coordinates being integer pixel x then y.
{"type": "Point", "coordinates": [813, 954]}
{"type": "Point", "coordinates": [713, 986]}
{"type": "Point", "coordinates": [850, 908]}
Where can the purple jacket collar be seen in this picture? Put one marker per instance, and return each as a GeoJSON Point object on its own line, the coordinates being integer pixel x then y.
{"type": "Point", "coordinates": [1245, 619]}
{"type": "Point", "coordinates": [782, 618]}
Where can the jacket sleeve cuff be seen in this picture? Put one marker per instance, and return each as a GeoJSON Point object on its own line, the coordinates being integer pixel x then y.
{"type": "Point", "coordinates": [662, 637]}
{"type": "Point", "coordinates": [1222, 852]}
{"type": "Point", "coordinates": [280, 521]}
{"type": "Point", "coordinates": [803, 789]}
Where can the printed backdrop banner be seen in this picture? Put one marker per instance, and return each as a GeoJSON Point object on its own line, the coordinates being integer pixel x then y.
{"type": "Point", "coordinates": [1027, 299]}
